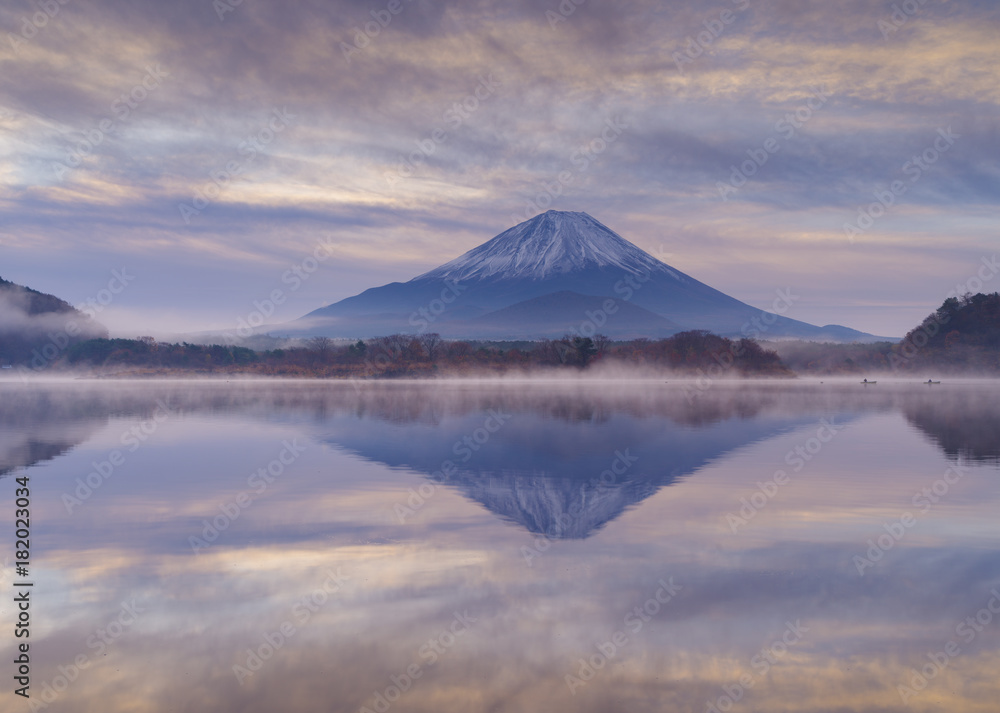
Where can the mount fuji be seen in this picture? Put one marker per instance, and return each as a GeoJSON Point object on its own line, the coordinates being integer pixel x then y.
{"type": "Point", "coordinates": [557, 273]}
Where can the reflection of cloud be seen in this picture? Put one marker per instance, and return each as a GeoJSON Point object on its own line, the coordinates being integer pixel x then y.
{"type": "Point", "coordinates": [792, 562]}
{"type": "Point", "coordinates": [200, 617]}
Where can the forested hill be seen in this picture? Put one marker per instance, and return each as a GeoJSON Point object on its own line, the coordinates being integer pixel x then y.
{"type": "Point", "coordinates": [962, 336]}
{"type": "Point", "coordinates": [35, 327]}
{"type": "Point", "coordinates": [33, 301]}
{"type": "Point", "coordinates": [972, 321]}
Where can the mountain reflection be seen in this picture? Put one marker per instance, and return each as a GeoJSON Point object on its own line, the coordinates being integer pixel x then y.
{"type": "Point", "coordinates": [558, 473]}
{"type": "Point", "coordinates": [537, 464]}
{"type": "Point", "coordinates": [964, 424]}
{"type": "Point", "coordinates": [564, 460]}
{"type": "Point", "coordinates": [537, 469]}
{"type": "Point", "coordinates": [34, 430]}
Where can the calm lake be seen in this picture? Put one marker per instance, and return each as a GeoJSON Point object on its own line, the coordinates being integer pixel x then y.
{"type": "Point", "coordinates": [476, 546]}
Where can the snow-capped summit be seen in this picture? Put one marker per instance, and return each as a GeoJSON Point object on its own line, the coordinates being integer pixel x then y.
{"type": "Point", "coordinates": [557, 273]}
{"type": "Point", "coordinates": [550, 244]}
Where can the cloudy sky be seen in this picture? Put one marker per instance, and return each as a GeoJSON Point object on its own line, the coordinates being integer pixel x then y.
{"type": "Point", "coordinates": [207, 147]}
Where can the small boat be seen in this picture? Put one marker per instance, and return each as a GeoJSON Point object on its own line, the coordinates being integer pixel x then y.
{"type": "Point", "coordinates": [869, 382]}
{"type": "Point", "coordinates": [932, 382]}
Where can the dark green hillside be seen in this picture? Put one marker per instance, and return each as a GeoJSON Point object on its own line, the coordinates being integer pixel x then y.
{"type": "Point", "coordinates": [35, 327]}
{"type": "Point", "coordinates": [963, 334]}
{"type": "Point", "coordinates": [36, 302]}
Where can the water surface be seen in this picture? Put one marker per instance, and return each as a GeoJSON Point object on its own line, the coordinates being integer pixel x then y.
{"type": "Point", "coordinates": [508, 547]}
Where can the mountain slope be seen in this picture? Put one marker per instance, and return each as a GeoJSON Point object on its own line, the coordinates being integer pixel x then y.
{"type": "Point", "coordinates": [555, 313]}
{"type": "Point", "coordinates": [554, 252]}
{"type": "Point", "coordinates": [35, 327]}
{"type": "Point", "coordinates": [550, 244]}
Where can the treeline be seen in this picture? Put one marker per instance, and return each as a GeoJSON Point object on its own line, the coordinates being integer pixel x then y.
{"type": "Point", "coordinates": [834, 359]}
{"type": "Point", "coordinates": [147, 352]}
{"type": "Point", "coordinates": [398, 355]}
{"type": "Point", "coordinates": [961, 336]}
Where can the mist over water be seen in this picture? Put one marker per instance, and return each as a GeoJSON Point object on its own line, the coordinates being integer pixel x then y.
{"type": "Point", "coordinates": [573, 544]}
